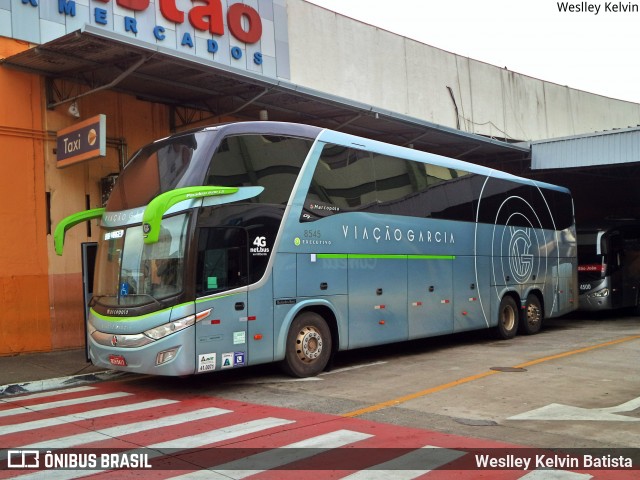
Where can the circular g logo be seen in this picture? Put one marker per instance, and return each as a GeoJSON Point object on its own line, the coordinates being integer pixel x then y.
{"type": "Point", "coordinates": [516, 239]}
{"type": "Point", "coordinates": [520, 255]}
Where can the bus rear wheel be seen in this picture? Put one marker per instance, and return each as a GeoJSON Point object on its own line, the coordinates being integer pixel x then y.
{"type": "Point", "coordinates": [508, 317]}
{"type": "Point", "coordinates": [308, 346]}
{"type": "Point", "coordinates": [533, 316]}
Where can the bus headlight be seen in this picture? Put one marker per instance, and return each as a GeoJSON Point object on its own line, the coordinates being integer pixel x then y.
{"type": "Point", "coordinates": [600, 293]}
{"type": "Point", "coordinates": [171, 327]}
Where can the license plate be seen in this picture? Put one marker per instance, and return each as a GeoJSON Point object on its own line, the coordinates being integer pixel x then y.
{"type": "Point", "coordinates": [117, 360]}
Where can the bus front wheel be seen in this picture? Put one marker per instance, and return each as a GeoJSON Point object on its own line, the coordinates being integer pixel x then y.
{"type": "Point", "coordinates": [533, 316]}
{"type": "Point", "coordinates": [308, 346]}
{"type": "Point", "coordinates": [508, 317]}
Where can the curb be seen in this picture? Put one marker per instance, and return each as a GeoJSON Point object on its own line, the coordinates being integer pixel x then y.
{"type": "Point", "coordinates": [62, 382]}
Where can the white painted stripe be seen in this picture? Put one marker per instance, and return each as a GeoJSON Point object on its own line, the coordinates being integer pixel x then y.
{"type": "Point", "coordinates": [222, 434]}
{"type": "Point", "coordinates": [201, 475]}
{"type": "Point", "coordinates": [128, 429]}
{"type": "Point", "coordinates": [555, 475]}
{"type": "Point", "coordinates": [272, 380]}
{"type": "Point", "coordinates": [277, 457]}
{"type": "Point", "coordinates": [354, 367]}
{"type": "Point", "coordinates": [409, 466]}
{"type": "Point", "coordinates": [91, 414]}
{"type": "Point", "coordinates": [195, 441]}
{"type": "Point", "coordinates": [19, 398]}
{"type": "Point", "coordinates": [62, 403]}
{"type": "Point", "coordinates": [558, 412]}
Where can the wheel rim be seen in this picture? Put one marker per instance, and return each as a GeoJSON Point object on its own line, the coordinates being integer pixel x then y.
{"type": "Point", "coordinates": [508, 317]}
{"type": "Point", "coordinates": [308, 344]}
{"type": "Point", "coordinates": [533, 315]}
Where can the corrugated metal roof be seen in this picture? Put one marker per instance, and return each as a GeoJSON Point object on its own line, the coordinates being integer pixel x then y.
{"type": "Point", "coordinates": [107, 60]}
{"type": "Point", "coordinates": [590, 150]}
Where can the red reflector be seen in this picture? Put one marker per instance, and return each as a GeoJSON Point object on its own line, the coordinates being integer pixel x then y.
{"type": "Point", "coordinates": [117, 360]}
{"type": "Point", "coordinates": [257, 337]}
{"type": "Point", "coordinates": [215, 322]}
{"type": "Point", "coordinates": [593, 267]}
{"type": "Point", "coordinates": [381, 322]}
{"type": "Point", "coordinates": [250, 319]}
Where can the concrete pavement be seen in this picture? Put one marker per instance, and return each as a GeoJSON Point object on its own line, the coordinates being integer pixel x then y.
{"type": "Point", "coordinates": [33, 372]}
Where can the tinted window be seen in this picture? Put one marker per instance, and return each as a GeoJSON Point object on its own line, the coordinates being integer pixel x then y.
{"type": "Point", "coordinates": [156, 168]}
{"type": "Point", "coordinates": [260, 224]}
{"type": "Point", "coordinates": [343, 182]}
{"type": "Point", "coordinates": [504, 202]}
{"type": "Point", "coordinates": [272, 162]}
{"type": "Point", "coordinates": [222, 259]}
{"type": "Point", "coordinates": [348, 180]}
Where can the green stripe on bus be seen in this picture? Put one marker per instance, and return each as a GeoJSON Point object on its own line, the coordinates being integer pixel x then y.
{"type": "Point", "coordinates": [210, 298]}
{"type": "Point", "coordinates": [385, 256]}
{"type": "Point", "coordinates": [134, 319]}
{"type": "Point", "coordinates": [124, 318]}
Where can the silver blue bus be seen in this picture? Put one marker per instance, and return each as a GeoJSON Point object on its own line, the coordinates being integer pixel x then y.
{"type": "Point", "coordinates": [255, 242]}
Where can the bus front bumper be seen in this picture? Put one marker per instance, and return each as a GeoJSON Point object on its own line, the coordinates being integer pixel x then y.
{"type": "Point", "coordinates": [173, 355]}
{"type": "Point", "coordinates": [593, 303]}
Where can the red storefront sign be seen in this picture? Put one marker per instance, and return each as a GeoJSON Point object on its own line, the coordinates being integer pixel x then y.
{"type": "Point", "coordinates": [207, 17]}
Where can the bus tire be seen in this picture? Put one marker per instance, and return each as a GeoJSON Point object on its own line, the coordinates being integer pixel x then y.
{"type": "Point", "coordinates": [508, 317]}
{"type": "Point", "coordinates": [308, 346]}
{"type": "Point", "coordinates": [533, 316]}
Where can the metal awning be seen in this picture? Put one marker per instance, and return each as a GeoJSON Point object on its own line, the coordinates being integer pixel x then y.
{"type": "Point", "coordinates": [619, 147]}
{"type": "Point", "coordinates": [103, 59]}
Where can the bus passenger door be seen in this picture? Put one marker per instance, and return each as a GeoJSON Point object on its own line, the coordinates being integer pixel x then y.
{"type": "Point", "coordinates": [221, 337]}
{"type": "Point", "coordinates": [430, 297]}
{"type": "Point", "coordinates": [618, 283]}
{"type": "Point", "coordinates": [377, 300]}
{"type": "Point", "coordinates": [631, 268]}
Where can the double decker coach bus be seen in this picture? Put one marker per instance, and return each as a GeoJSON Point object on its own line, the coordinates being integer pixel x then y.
{"type": "Point", "coordinates": [609, 265]}
{"type": "Point", "coordinates": [256, 242]}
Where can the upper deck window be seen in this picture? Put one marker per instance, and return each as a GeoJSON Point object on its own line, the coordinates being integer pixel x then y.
{"type": "Point", "coordinates": [156, 168]}
{"type": "Point", "coordinates": [348, 180]}
{"type": "Point", "coordinates": [272, 162]}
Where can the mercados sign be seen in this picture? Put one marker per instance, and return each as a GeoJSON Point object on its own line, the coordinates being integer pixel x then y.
{"type": "Point", "coordinates": [229, 32]}
{"type": "Point", "coordinates": [207, 17]}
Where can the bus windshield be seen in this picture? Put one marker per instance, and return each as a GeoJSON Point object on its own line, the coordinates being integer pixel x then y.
{"type": "Point", "coordinates": [592, 262]}
{"type": "Point", "coordinates": [131, 274]}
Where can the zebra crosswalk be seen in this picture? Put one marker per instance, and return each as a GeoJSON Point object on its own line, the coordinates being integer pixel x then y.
{"type": "Point", "coordinates": [197, 437]}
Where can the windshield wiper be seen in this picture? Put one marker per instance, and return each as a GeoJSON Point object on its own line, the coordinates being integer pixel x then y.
{"type": "Point", "coordinates": [96, 298]}
{"type": "Point", "coordinates": [154, 299]}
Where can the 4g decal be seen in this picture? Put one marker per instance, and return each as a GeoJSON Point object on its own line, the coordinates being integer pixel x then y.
{"type": "Point", "coordinates": [259, 247]}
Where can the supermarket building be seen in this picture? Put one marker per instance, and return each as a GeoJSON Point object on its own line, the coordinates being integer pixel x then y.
{"type": "Point", "coordinates": [143, 69]}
